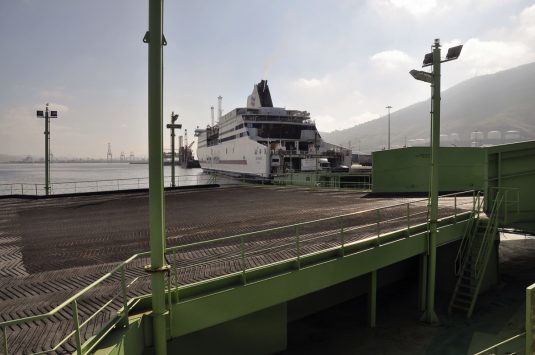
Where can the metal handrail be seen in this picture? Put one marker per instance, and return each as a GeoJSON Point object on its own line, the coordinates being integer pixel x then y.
{"type": "Point", "coordinates": [35, 189]}
{"type": "Point", "coordinates": [490, 231]}
{"type": "Point", "coordinates": [122, 313]}
{"type": "Point", "coordinates": [492, 350]}
{"type": "Point", "coordinates": [466, 241]}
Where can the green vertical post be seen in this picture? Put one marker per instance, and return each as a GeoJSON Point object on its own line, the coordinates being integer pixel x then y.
{"type": "Point", "coordinates": [430, 315]}
{"type": "Point", "coordinates": [154, 37]}
{"type": "Point", "coordinates": [422, 283]}
{"type": "Point", "coordinates": [124, 290]}
{"type": "Point", "coordinates": [372, 303]}
{"type": "Point", "coordinates": [173, 181]}
{"type": "Point", "coordinates": [4, 340]}
{"type": "Point", "coordinates": [529, 321]}
{"type": "Point", "coordinates": [76, 321]}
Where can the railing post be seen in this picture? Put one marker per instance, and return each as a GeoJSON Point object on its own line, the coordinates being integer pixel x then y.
{"type": "Point", "coordinates": [242, 252]}
{"type": "Point", "coordinates": [22, 189]}
{"type": "Point", "coordinates": [529, 322]}
{"type": "Point", "coordinates": [298, 247]}
{"type": "Point", "coordinates": [76, 322]}
{"type": "Point", "coordinates": [378, 213]}
{"type": "Point", "coordinates": [408, 219]}
{"type": "Point", "coordinates": [169, 303]}
{"type": "Point", "coordinates": [505, 207]}
{"type": "Point", "coordinates": [455, 209]}
{"type": "Point", "coordinates": [35, 189]}
{"type": "Point", "coordinates": [4, 336]}
{"type": "Point", "coordinates": [125, 298]}
{"type": "Point", "coordinates": [342, 241]}
{"type": "Point", "coordinates": [175, 268]}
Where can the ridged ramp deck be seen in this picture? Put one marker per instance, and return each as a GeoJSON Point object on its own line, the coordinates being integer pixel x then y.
{"type": "Point", "coordinates": [53, 248]}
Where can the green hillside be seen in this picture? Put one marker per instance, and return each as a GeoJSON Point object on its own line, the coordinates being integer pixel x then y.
{"type": "Point", "coordinates": [504, 101]}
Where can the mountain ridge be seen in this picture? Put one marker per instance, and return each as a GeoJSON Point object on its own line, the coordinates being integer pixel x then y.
{"type": "Point", "coordinates": [503, 101]}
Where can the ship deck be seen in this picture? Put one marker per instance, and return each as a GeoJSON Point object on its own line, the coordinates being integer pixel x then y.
{"type": "Point", "coordinates": [50, 248]}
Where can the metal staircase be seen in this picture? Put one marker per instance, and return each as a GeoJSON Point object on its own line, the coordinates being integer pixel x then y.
{"type": "Point", "coordinates": [473, 256]}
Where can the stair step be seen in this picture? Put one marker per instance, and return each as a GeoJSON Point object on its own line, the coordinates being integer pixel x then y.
{"type": "Point", "coordinates": [465, 294]}
{"type": "Point", "coordinates": [467, 278]}
{"type": "Point", "coordinates": [459, 307]}
{"type": "Point", "coordinates": [462, 301]}
{"type": "Point", "coordinates": [465, 286]}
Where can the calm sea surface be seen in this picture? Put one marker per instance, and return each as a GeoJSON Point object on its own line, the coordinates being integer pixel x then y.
{"type": "Point", "coordinates": [66, 177]}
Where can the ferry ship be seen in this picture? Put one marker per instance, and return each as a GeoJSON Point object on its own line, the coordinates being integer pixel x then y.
{"type": "Point", "coordinates": [261, 141]}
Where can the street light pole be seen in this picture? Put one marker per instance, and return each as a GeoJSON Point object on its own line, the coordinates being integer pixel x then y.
{"type": "Point", "coordinates": [433, 78]}
{"type": "Point", "coordinates": [172, 127]}
{"type": "Point", "coordinates": [46, 114]}
{"type": "Point", "coordinates": [388, 107]}
{"type": "Point", "coordinates": [157, 269]}
{"type": "Point", "coordinates": [430, 315]}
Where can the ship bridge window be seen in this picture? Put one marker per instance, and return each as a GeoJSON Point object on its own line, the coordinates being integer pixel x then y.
{"type": "Point", "coordinates": [278, 131]}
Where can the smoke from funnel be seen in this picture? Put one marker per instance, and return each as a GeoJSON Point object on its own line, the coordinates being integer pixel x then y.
{"type": "Point", "coordinates": [220, 107]}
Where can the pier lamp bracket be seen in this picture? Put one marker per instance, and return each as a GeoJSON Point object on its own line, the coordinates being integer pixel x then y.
{"type": "Point", "coordinates": [146, 39]}
{"type": "Point", "coordinates": [148, 268]}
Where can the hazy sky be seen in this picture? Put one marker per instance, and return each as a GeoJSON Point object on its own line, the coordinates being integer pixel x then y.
{"type": "Point", "coordinates": [343, 61]}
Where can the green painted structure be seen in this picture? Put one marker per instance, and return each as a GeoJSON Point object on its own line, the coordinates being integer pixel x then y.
{"type": "Point", "coordinates": [225, 305]}
{"type": "Point", "coordinates": [512, 167]}
{"type": "Point", "coordinates": [406, 170]}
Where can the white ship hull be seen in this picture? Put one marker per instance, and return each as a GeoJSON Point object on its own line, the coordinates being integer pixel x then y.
{"type": "Point", "coordinates": [241, 156]}
{"type": "Point", "coordinates": [261, 140]}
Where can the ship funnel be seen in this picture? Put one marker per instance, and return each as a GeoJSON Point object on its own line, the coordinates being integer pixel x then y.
{"type": "Point", "coordinates": [212, 109]}
{"type": "Point", "coordinates": [260, 97]}
{"type": "Point", "coordinates": [219, 107]}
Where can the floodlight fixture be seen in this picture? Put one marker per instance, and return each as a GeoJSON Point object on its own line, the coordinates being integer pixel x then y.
{"type": "Point", "coordinates": [174, 125]}
{"type": "Point", "coordinates": [54, 114]}
{"type": "Point", "coordinates": [428, 60]}
{"type": "Point", "coordinates": [454, 52]}
{"type": "Point", "coordinates": [421, 75]}
{"type": "Point", "coordinates": [40, 113]}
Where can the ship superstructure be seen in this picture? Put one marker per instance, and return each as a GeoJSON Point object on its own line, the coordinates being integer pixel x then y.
{"type": "Point", "coordinates": [261, 140]}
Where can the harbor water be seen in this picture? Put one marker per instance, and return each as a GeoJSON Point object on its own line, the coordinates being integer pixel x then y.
{"type": "Point", "coordinates": [17, 178]}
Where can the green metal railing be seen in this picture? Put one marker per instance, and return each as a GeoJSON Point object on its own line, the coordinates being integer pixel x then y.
{"type": "Point", "coordinates": [73, 303]}
{"type": "Point", "coordinates": [480, 263]}
{"type": "Point", "coordinates": [510, 202]}
{"type": "Point", "coordinates": [466, 242]}
{"type": "Point", "coordinates": [520, 343]}
{"type": "Point", "coordinates": [326, 179]}
{"type": "Point", "coordinates": [67, 187]}
{"type": "Point", "coordinates": [507, 347]}
{"type": "Point", "coordinates": [240, 255]}
{"type": "Point", "coordinates": [530, 319]}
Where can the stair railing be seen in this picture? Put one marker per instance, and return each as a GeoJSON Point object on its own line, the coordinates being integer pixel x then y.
{"type": "Point", "coordinates": [466, 242]}
{"type": "Point", "coordinates": [490, 231]}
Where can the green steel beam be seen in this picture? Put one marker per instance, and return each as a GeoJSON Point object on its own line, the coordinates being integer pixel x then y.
{"type": "Point", "coordinates": [156, 196]}
{"type": "Point", "coordinates": [212, 306]}
{"type": "Point", "coordinates": [372, 304]}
